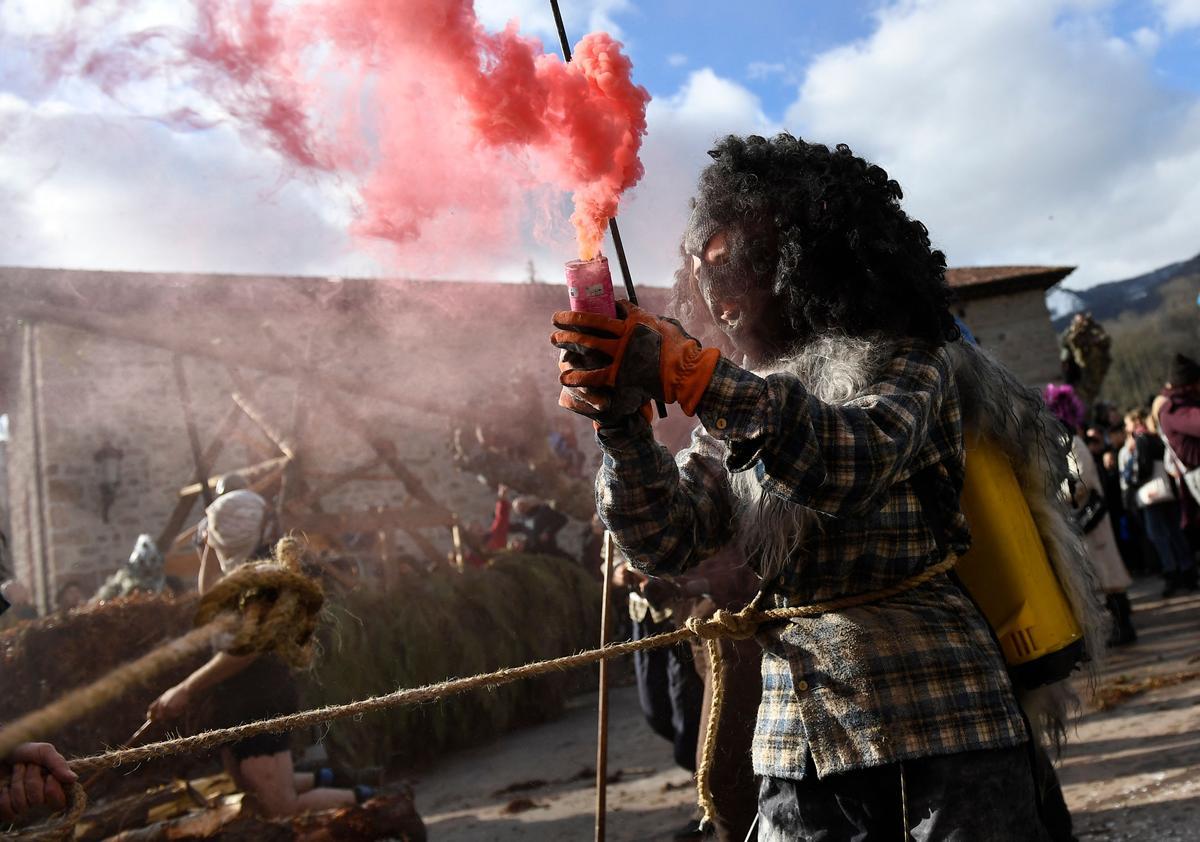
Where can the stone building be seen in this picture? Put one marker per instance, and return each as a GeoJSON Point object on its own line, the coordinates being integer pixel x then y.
{"type": "Point", "coordinates": [115, 382]}
{"type": "Point", "coordinates": [1005, 307]}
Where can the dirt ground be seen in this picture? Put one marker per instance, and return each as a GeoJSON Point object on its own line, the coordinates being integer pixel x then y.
{"type": "Point", "coordinates": [1131, 772]}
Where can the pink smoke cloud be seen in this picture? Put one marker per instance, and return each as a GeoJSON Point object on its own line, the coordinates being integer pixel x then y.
{"type": "Point", "coordinates": [446, 132]}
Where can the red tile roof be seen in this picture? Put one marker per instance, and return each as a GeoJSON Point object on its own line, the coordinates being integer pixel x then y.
{"type": "Point", "coordinates": [974, 282]}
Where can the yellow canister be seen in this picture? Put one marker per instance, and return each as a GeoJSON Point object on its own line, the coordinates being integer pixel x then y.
{"type": "Point", "coordinates": [1009, 574]}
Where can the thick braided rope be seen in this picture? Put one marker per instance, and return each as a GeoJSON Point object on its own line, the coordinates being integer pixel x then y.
{"type": "Point", "coordinates": [284, 605]}
{"type": "Point", "coordinates": [412, 696]}
{"type": "Point", "coordinates": [720, 625]}
{"type": "Point", "coordinates": [743, 624]}
{"type": "Point", "coordinates": [723, 624]}
{"type": "Point", "coordinates": [53, 717]}
{"type": "Point", "coordinates": [286, 627]}
{"type": "Point", "coordinates": [62, 828]}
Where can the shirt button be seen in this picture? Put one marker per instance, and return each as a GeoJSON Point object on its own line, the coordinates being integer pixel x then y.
{"type": "Point", "coordinates": [802, 686]}
{"type": "Point", "coordinates": [722, 423]}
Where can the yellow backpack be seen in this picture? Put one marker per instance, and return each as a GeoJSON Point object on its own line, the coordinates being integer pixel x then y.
{"type": "Point", "coordinates": [1009, 575]}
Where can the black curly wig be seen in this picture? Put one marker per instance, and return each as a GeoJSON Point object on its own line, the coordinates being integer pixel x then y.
{"type": "Point", "coordinates": [826, 233]}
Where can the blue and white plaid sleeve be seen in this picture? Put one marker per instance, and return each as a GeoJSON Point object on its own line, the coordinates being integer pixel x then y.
{"type": "Point", "coordinates": [841, 460]}
{"type": "Point", "coordinates": [665, 514]}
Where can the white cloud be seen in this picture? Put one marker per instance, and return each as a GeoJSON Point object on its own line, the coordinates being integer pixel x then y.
{"type": "Point", "coordinates": [682, 129]}
{"type": "Point", "coordinates": [1022, 132]}
{"type": "Point", "coordinates": [109, 190]}
{"type": "Point", "coordinates": [98, 192]}
{"type": "Point", "coordinates": [765, 69]}
{"type": "Point", "coordinates": [1146, 39]}
{"type": "Point", "coordinates": [677, 59]}
{"type": "Point", "coordinates": [601, 18]}
{"type": "Point", "coordinates": [536, 18]}
{"type": "Point", "coordinates": [86, 182]}
{"type": "Point", "coordinates": [1179, 14]}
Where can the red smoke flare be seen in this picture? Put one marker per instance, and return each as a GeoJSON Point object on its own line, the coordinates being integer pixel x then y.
{"type": "Point", "coordinates": [443, 127]}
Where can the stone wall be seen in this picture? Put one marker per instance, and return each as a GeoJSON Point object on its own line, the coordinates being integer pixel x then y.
{"type": "Point", "coordinates": [79, 390]}
{"type": "Point", "coordinates": [1017, 329]}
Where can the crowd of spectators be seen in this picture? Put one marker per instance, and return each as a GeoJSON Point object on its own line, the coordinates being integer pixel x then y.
{"type": "Point", "coordinates": [1147, 461]}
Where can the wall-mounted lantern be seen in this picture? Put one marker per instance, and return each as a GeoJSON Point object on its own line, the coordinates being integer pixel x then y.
{"type": "Point", "coordinates": [108, 464]}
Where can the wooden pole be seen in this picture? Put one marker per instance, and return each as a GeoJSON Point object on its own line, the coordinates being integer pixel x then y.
{"type": "Point", "coordinates": [313, 493]}
{"type": "Point", "coordinates": [386, 451]}
{"type": "Point", "coordinates": [291, 481]}
{"type": "Point", "coordinates": [183, 508]}
{"type": "Point", "coordinates": [251, 473]}
{"type": "Point", "coordinates": [456, 536]}
{"type": "Point", "coordinates": [602, 725]}
{"type": "Point", "coordinates": [260, 420]}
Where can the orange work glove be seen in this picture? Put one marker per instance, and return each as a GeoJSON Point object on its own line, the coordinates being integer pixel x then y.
{"type": "Point", "coordinates": [612, 367]}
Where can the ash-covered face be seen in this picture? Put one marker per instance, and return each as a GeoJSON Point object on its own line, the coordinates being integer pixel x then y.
{"type": "Point", "coordinates": [742, 304]}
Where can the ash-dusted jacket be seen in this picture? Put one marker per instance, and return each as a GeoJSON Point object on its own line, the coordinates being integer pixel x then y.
{"type": "Point", "coordinates": [913, 676]}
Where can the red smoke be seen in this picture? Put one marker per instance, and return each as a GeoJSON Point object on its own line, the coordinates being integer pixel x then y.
{"type": "Point", "coordinates": [445, 130]}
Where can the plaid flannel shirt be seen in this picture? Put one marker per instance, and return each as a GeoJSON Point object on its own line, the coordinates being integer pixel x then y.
{"type": "Point", "coordinates": [913, 676]}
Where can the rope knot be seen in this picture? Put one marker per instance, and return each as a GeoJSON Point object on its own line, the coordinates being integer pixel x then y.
{"type": "Point", "coordinates": [738, 625]}
{"type": "Point", "coordinates": [279, 606]}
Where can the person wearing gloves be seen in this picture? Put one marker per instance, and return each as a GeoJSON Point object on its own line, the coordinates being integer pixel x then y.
{"type": "Point", "coordinates": [831, 391]}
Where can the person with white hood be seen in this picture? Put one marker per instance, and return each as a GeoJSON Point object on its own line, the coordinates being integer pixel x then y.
{"type": "Point", "coordinates": [251, 687]}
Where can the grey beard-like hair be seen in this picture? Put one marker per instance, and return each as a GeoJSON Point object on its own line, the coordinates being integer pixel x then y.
{"type": "Point", "coordinates": [1014, 416]}
{"type": "Point", "coordinates": [835, 369]}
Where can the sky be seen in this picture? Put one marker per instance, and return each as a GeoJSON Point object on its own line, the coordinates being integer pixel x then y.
{"type": "Point", "coordinates": [1049, 132]}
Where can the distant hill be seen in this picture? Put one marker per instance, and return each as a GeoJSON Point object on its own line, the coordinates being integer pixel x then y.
{"type": "Point", "coordinates": [1150, 318]}
{"type": "Point", "coordinates": [1142, 294]}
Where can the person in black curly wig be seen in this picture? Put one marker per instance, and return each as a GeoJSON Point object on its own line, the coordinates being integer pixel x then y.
{"type": "Point", "coordinates": [789, 239]}
{"type": "Point", "coordinates": [832, 453]}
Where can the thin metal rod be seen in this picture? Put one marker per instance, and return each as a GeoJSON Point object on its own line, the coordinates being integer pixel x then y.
{"type": "Point", "coordinates": [620, 247]}
{"type": "Point", "coordinates": [612, 222]}
{"type": "Point", "coordinates": [602, 724]}
{"type": "Point", "coordinates": [562, 30]}
{"type": "Point", "coordinates": [630, 293]}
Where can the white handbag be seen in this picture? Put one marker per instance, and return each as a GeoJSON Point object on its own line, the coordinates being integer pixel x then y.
{"type": "Point", "coordinates": [1190, 480]}
{"type": "Point", "coordinates": [1159, 489]}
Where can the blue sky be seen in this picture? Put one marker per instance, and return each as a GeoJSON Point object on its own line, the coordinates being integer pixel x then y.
{"type": "Point", "coordinates": [669, 38]}
{"type": "Point", "coordinates": [766, 50]}
{"type": "Point", "coordinates": [1051, 132]}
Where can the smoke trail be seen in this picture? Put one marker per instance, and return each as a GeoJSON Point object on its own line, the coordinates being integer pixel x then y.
{"type": "Point", "coordinates": [447, 132]}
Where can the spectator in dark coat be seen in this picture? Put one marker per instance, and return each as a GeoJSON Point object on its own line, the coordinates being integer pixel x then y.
{"type": "Point", "coordinates": [540, 522]}
{"type": "Point", "coordinates": [1179, 420]}
{"type": "Point", "coordinates": [1158, 499]}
